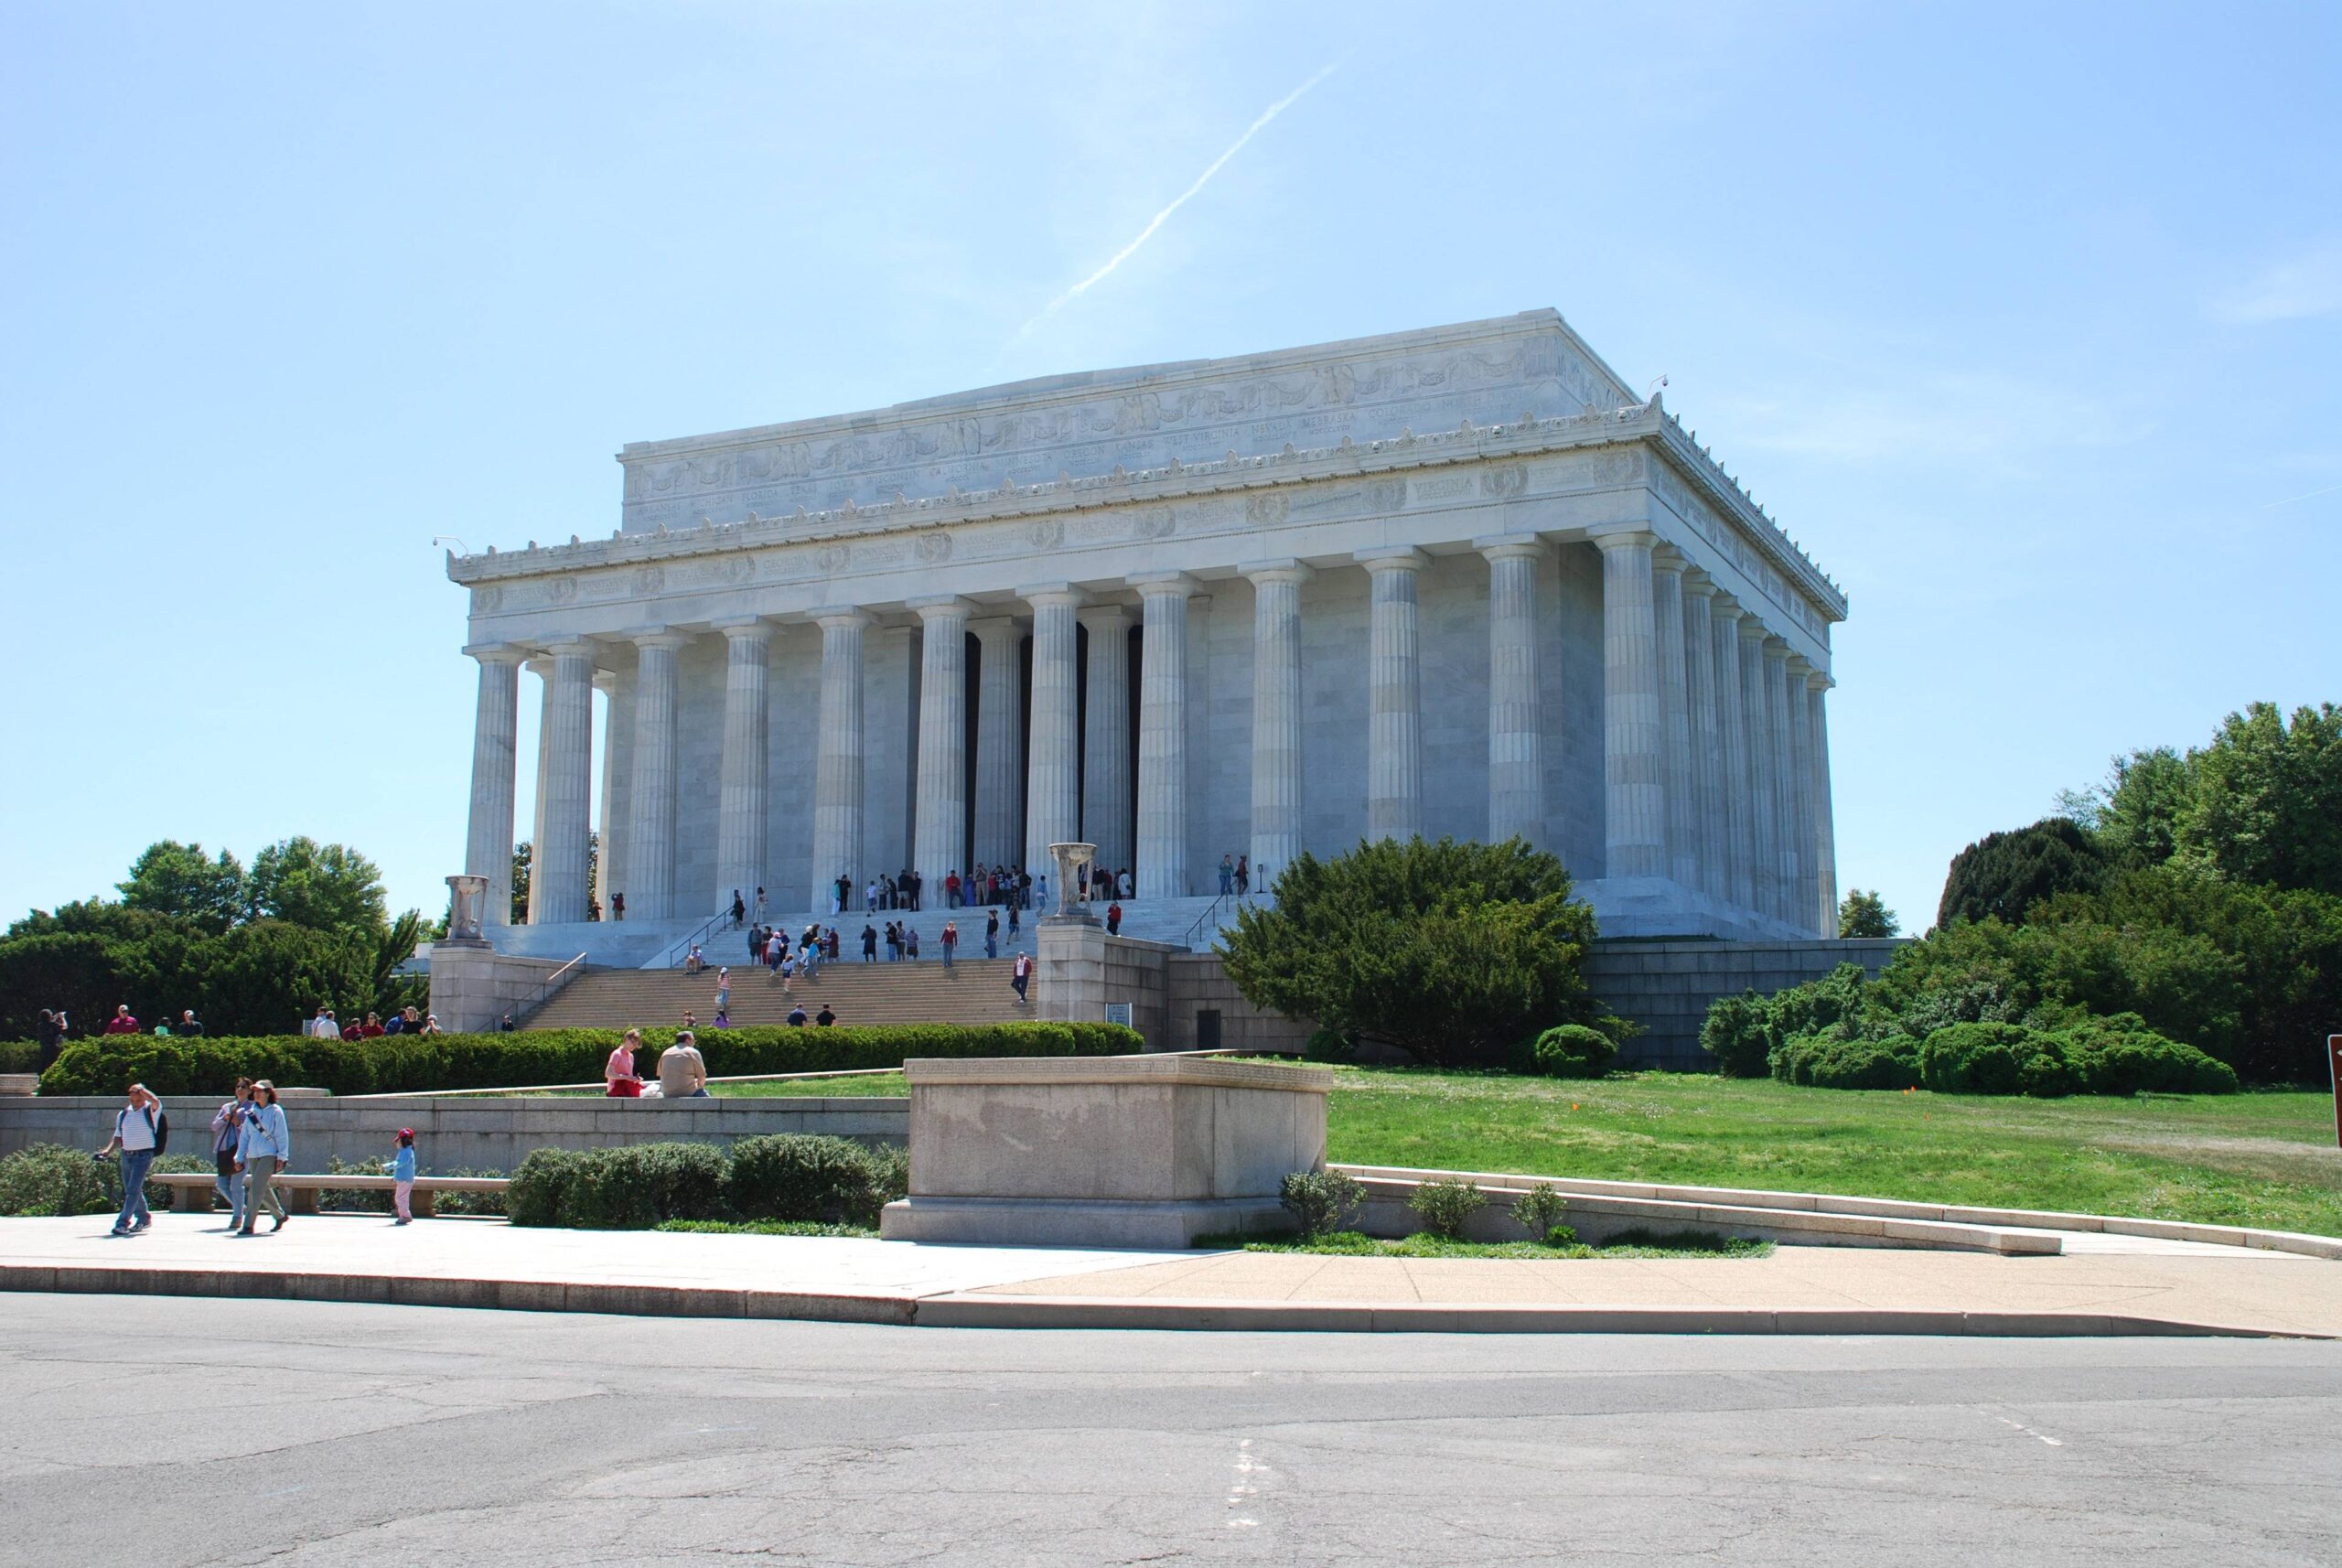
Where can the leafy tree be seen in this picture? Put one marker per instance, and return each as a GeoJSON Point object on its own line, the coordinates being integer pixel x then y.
{"type": "Point", "coordinates": [1454, 952]}
{"type": "Point", "coordinates": [265, 977]}
{"type": "Point", "coordinates": [523, 854]}
{"type": "Point", "coordinates": [2266, 804]}
{"type": "Point", "coordinates": [326, 887]}
{"type": "Point", "coordinates": [1866, 914]}
{"type": "Point", "coordinates": [173, 878]}
{"type": "Point", "coordinates": [2137, 820]}
{"type": "Point", "coordinates": [2002, 875]}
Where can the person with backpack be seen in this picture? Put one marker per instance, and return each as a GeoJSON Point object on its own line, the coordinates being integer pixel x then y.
{"type": "Point", "coordinates": [227, 1131]}
{"type": "Point", "coordinates": [142, 1131]}
{"type": "Point", "coordinates": [261, 1152]}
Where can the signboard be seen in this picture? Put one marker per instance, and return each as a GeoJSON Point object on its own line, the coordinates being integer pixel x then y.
{"type": "Point", "coordinates": [2334, 1071]}
{"type": "Point", "coordinates": [1119, 1012]}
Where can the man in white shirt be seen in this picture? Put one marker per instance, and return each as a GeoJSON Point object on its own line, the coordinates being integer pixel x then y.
{"type": "Point", "coordinates": [323, 1026]}
{"type": "Point", "coordinates": [139, 1133]}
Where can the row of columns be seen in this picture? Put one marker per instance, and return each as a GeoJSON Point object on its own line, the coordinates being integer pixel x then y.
{"type": "Point", "coordinates": [1715, 739]}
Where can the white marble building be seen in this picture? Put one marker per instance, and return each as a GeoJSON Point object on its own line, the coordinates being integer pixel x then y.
{"type": "Point", "coordinates": [1457, 581]}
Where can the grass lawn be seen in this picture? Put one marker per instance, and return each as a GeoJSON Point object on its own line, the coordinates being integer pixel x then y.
{"type": "Point", "coordinates": [2265, 1159]}
{"type": "Point", "coordinates": [818, 1088]}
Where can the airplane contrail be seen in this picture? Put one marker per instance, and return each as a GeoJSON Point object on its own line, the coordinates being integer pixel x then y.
{"type": "Point", "coordinates": [1125, 254]}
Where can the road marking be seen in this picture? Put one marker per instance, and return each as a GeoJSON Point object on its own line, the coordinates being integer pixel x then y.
{"type": "Point", "coordinates": [2019, 1426]}
{"type": "Point", "coordinates": [1240, 1485]}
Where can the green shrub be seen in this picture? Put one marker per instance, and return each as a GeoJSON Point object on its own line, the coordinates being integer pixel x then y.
{"type": "Point", "coordinates": [1446, 1205]}
{"type": "Point", "coordinates": [19, 1056]}
{"type": "Point", "coordinates": [1329, 1046]}
{"type": "Point", "coordinates": [540, 1189]}
{"type": "Point", "coordinates": [392, 1064]}
{"type": "Point", "coordinates": [608, 1192]}
{"type": "Point", "coordinates": [1830, 1060]}
{"type": "Point", "coordinates": [1979, 1058]}
{"type": "Point", "coordinates": [1539, 1210]}
{"type": "Point", "coordinates": [2121, 1056]}
{"type": "Point", "coordinates": [1572, 1050]}
{"type": "Point", "coordinates": [50, 1178]}
{"type": "Point", "coordinates": [1320, 1200]}
{"type": "Point", "coordinates": [805, 1176]}
{"type": "Point", "coordinates": [1737, 1033]}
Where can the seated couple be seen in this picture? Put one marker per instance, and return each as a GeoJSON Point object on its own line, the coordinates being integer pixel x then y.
{"type": "Point", "coordinates": [682, 1071]}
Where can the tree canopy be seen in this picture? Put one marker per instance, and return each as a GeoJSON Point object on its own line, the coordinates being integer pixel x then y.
{"type": "Point", "coordinates": [173, 878]}
{"type": "Point", "coordinates": [325, 886]}
{"type": "Point", "coordinates": [1454, 952]}
{"type": "Point", "coordinates": [1865, 915]}
{"type": "Point", "coordinates": [2002, 875]}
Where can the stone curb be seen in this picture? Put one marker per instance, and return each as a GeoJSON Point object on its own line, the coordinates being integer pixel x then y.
{"type": "Point", "coordinates": [973, 1310]}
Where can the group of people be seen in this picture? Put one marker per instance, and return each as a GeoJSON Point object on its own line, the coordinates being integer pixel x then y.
{"type": "Point", "coordinates": [682, 1073]}
{"type": "Point", "coordinates": [325, 1025]}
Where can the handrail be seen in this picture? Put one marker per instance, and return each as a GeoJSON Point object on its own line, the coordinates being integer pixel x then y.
{"type": "Point", "coordinates": [544, 991]}
{"type": "Point", "coordinates": [671, 958]}
{"type": "Point", "coordinates": [1189, 942]}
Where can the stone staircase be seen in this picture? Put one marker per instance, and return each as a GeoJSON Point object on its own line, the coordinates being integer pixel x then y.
{"type": "Point", "coordinates": [973, 991]}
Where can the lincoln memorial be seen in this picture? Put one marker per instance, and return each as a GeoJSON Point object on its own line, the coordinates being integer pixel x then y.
{"type": "Point", "coordinates": [1457, 581]}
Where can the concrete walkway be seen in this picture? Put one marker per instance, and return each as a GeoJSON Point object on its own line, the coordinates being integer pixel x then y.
{"type": "Point", "coordinates": [2106, 1285]}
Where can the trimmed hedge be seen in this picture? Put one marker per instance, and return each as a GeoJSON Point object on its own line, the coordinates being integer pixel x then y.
{"type": "Point", "coordinates": [2098, 1056]}
{"type": "Point", "coordinates": [1571, 1050]}
{"type": "Point", "coordinates": [1829, 1061]}
{"type": "Point", "coordinates": [419, 1064]}
{"type": "Point", "coordinates": [788, 1176]}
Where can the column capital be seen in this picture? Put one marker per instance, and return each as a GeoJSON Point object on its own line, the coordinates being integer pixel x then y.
{"type": "Point", "coordinates": [1820, 681]}
{"type": "Point", "coordinates": [834, 617]}
{"type": "Point", "coordinates": [1622, 536]}
{"type": "Point", "coordinates": [1800, 665]}
{"type": "Point", "coordinates": [1699, 585]}
{"type": "Point", "coordinates": [496, 652]}
{"type": "Point", "coordinates": [745, 628]}
{"type": "Point", "coordinates": [1287, 569]}
{"type": "Point", "coordinates": [942, 606]}
{"type": "Point", "coordinates": [1510, 546]}
{"type": "Point", "coordinates": [573, 647]}
{"type": "Point", "coordinates": [1159, 584]}
{"type": "Point", "coordinates": [1776, 649]}
{"type": "Point", "coordinates": [1109, 617]}
{"type": "Point", "coordinates": [1391, 558]}
{"type": "Point", "coordinates": [1040, 594]}
{"type": "Point", "coordinates": [538, 664]}
{"type": "Point", "coordinates": [985, 627]}
{"type": "Point", "coordinates": [1751, 629]}
{"type": "Point", "coordinates": [657, 636]}
{"type": "Point", "coordinates": [1665, 557]}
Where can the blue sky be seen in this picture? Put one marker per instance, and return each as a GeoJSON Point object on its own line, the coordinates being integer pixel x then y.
{"type": "Point", "coordinates": [2026, 321]}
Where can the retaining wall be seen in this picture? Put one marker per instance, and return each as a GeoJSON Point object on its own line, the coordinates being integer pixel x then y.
{"type": "Point", "coordinates": [1666, 986]}
{"type": "Point", "coordinates": [489, 1133]}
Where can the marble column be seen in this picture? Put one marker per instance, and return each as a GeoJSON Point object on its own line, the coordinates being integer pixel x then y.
{"type": "Point", "coordinates": [838, 760]}
{"type": "Point", "coordinates": [939, 818]}
{"type": "Point", "coordinates": [1000, 741]}
{"type": "Point", "coordinates": [742, 809]}
{"type": "Point", "coordinates": [1634, 752]}
{"type": "Point", "coordinates": [1806, 914]}
{"type": "Point", "coordinates": [1675, 716]}
{"type": "Point", "coordinates": [488, 844]}
{"type": "Point", "coordinates": [1825, 829]}
{"type": "Point", "coordinates": [1763, 845]}
{"type": "Point", "coordinates": [1780, 767]}
{"type": "Point", "coordinates": [1053, 762]}
{"type": "Point", "coordinates": [1162, 868]}
{"type": "Point", "coordinates": [1707, 734]}
{"type": "Point", "coordinates": [542, 670]}
{"type": "Point", "coordinates": [1106, 736]}
{"type": "Point", "coordinates": [608, 853]}
{"type": "Point", "coordinates": [1395, 724]}
{"type": "Point", "coordinates": [651, 821]}
{"type": "Point", "coordinates": [1738, 816]}
{"type": "Point", "coordinates": [1516, 728]}
{"type": "Point", "coordinates": [1277, 705]}
{"type": "Point", "coordinates": [560, 860]}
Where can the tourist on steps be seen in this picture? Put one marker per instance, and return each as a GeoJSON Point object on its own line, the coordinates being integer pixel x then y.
{"type": "Point", "coordinates": [1020, 974]}
{"type": "Point", "coordinates": [869, 942]}
{"type": "Point", "coordinates": [951, 941]}
{"type": "Point", "coordinates": [992, 934]}
{"type": "Point", "coordinates": [1115, 918]}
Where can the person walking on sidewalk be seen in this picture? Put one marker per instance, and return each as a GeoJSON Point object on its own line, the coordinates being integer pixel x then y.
{"type": "Point", "coordinates": [402, 1177]}
{"type": "Point", "coordinates": [227, 1131]}
{"type": "Point", "coordinates": [265, 1145]}
{"type": "Point", "coordinates": [140, 1132]}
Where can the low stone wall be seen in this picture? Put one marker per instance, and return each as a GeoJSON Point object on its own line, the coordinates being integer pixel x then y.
{"type": "Point", "coordinates": [487, 1133]}
{"type": "Point", "coordinates": [1204, 1010]}
{"type": "Point", "coordinates": [1666, 986]}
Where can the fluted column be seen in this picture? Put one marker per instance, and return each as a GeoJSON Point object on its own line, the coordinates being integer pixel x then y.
{"type": "Point", "coordinates": [940, 822]}
{"type": "Point", "coordinates": [542, 670]}
{"type": "Point", "coordinates": [1634, 762]}
{"type": "Point", "coordinates": [560, 860]}
{"type": "Point", "coordinates": [1707, 743]}
{"type": "Point", "coordinates": [1516, 728]}
{"type": "Point", "coordinates": [838, 759]}
{"type": "Point", "coordinates": [1825, 828]}
{"type": "Point", "coordinates": [1674, 715]}
{"type": "Point", "coordinates": [1764, 843]}
{"type": "Point", "coordinates": [1000, 741]}
{"type": "Point", "coordinates": [1053, 763]}
{"type": "Point", "coordinates": [1162, 868]}
{"type": "Point", "coordinates": [1277, 708]}
{"type": "Point", "coordinates": [651, 822]}
{"type": "Point", "coordinates": [608, 854]}
{"type": "Point", "coordinates": [1805, 915]}
{"type": "Point", "coordinates": [742, 803]}
{"type": "Point", "coordinates": [1781, 769]}
{"type": "Point", "coordinates": [1738, 816]}
{"type": "Point", "coordinates": [1106, 736]}
{"type": "Point", "coordinates": [1395, 724]}
{"type": "Point", "coordinates": [496, 722]}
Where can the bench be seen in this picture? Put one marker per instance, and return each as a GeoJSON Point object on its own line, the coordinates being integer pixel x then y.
{"type": "Point", "coordinates": [192, 1192]}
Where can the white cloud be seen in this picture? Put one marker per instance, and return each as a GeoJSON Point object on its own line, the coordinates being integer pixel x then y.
{"type": "Point", "coordinates": [2301, 287]}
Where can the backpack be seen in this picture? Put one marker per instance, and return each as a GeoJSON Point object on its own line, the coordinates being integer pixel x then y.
{"type": "Point", "coordinates": [158, 1121]}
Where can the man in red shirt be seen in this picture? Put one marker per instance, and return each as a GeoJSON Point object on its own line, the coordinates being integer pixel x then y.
{"type": "Point", "coordinates": [372, 1029]}
{"type": "Point", "coordinates": [952, 890]}
{"type": "Point", "coordinates": [122, 1023]}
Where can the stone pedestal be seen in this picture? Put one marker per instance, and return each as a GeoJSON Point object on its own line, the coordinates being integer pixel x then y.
{"type": "Point", "coordinates": [1104, 1151]}
{"type": "Point", "coordinates": [1069, 969]}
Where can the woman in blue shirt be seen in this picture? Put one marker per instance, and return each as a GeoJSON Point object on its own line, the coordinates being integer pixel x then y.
{"type": "Point", "coordinates": [262, 1150]}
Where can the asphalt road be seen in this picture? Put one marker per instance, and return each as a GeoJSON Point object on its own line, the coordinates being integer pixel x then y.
{"type": "Point", "coordinates": [158, 1433]}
